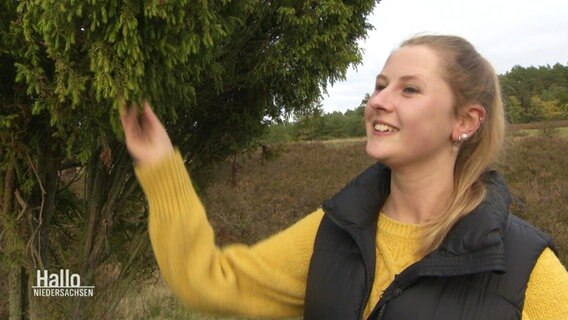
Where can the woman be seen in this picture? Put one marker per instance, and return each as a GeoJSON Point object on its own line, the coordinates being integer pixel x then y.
{"type": "Point", "coordinates": [424, 234]}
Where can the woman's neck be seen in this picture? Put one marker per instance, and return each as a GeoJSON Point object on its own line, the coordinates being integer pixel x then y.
{"type": "Point", "coordinates": [416, 196]}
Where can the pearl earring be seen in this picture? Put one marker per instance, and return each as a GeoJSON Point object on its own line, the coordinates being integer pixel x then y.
{"type": "Point", "coordinates": [461, 139]}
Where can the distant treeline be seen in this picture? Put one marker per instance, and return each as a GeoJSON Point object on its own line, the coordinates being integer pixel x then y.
{"type": "Point", "coordinates": [536, 94]}
{"type": "Point", "coordinates": [530, 94]}
{"type": "Point", "coordinates": [319, 126]}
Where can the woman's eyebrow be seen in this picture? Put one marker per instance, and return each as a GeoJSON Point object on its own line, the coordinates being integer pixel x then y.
{"type": "Point", "coordinates": [382, 77]}
{"type": "Point", "coordinates": [403, 78]}
{"type": "Point", "coordinates": [410, 77]}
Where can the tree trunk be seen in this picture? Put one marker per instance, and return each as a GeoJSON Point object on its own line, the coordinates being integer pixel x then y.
{"type": "Point", "coordinates": [35, 310]}
{"type": "Point", "coordinates": [100, 181]}
{"type": "Point", "coordinates": [94, 183]}
{"type": "Point", "coordinates": [45, 167]}
{"type": "Point", "coordinates": [16, 291]}
{"type": "Point", "coordinates": [50, 181]}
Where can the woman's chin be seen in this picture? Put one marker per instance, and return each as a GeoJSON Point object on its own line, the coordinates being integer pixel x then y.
{"type": "Point", "coordinates": [375, 153]}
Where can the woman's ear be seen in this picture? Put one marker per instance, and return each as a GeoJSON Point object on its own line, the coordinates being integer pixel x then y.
{"type": "Point", "coordinates": [469, 121]}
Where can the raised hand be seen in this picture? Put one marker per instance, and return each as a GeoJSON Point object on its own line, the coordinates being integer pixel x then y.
{"type": "Point", "coordinates": [146, 138]}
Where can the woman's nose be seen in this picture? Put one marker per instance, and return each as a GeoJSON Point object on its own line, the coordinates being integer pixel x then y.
{"type": "Point", "coordinates": [380, 100]}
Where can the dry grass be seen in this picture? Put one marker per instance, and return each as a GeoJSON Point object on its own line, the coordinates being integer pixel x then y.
{"type": "Point", "coordinates": [271, 196]}
{"type": "Point", "coordinates": [536, 169]}
{"type": "Point", "coordinates": [156, 302]}
{"type": "Point", "coordinates": [541, 125]}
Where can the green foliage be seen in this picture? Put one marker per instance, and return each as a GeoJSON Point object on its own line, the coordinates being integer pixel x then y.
{"type": "Point", "coordinates": [320, 126]}
{"type": "Point", "coordinates": [310, 123]}
{"type": "Point", "coordinates": [214, 71]}
{"type": "Point", "coordinates": [536, 94]}
{"type": "Point", "coordinates": [550, 109]}
{"type": "Point", "coordinates": [279, 133]}
{"type": "Point", "coordinates": [514, 110]}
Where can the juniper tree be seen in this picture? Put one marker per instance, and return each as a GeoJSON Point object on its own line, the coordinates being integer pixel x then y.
{"type": "Point", "coordinates": [215, 71]}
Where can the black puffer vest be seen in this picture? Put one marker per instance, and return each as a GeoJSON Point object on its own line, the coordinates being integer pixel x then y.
{"type": "Point", "coordinates": [480, 271]}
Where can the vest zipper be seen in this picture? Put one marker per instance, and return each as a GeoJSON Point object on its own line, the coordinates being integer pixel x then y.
{"type": "Point", "coordinates": [382, 303]}
{"type": "Point", "coordinates": [381, 311]}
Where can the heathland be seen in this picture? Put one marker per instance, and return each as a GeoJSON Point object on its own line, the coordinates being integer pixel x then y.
{"type": "Point", "coordinates": [253, 197]}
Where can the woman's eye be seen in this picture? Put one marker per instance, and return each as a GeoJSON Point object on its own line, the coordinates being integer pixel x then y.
{"type": "Point", "coordinates": [411, 90]}
{"type": "Point", "coordinates": [380, 87]}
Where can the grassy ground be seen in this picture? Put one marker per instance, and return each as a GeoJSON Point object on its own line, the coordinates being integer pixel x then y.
{"type": "Point", "coordinates": [272, 195]}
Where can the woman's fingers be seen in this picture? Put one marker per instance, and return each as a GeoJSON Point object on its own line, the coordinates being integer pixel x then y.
{"type": "Point", "coordinates": [133, 132]}
{"type": "Point", "coordinates": [148, 115]}
{"type": "Point", "coordinates": [145, 136]}
{"type": "Point", "coordinates": [129, 119]}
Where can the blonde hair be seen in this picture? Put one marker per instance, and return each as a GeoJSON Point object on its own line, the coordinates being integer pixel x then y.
{"type": "Point", "coordinates": [473, 81]}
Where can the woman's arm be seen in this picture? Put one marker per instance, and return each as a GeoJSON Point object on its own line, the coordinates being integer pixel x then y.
{"type": "Point", "coordinates": [266, 279]}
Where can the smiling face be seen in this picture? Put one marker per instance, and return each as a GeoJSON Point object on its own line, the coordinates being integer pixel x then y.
{"type": "Point", "coordinates": [410, 117]}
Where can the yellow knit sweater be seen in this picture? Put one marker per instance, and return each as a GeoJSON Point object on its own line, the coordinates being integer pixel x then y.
{"type": "Point", "coordinates": [268, 279]}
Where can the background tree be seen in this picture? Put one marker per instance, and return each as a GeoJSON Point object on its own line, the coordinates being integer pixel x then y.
{"type": "Point", "coordinates": [214, 71]}
{"type": "Point", "coordinates": [309, 123]}
{"type": "Point", "coordinates": [536, 93]}
{"type": "Point", "coordinates": [314, 124]}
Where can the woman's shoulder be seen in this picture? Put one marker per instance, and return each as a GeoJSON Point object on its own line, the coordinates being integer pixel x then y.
{"type": "Point", "coordinates": [547, 289]}
{"type": "Point", "coordinates": [525, 231]}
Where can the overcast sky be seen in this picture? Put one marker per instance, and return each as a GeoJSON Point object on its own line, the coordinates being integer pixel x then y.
{"type": "Point", "coordinates": [506, 32]}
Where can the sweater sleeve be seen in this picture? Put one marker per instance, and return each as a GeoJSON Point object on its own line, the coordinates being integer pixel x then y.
{"type": "Point", "coordinates": [547, 290]}
{"type": "Point", "coordinates": [266, 279]}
